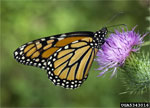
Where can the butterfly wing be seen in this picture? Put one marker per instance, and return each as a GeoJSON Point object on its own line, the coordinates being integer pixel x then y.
{"type": "Point", "coordinates": [66, 57]}
{"type": "Point", "coordinates": [31, 53]}
{"type": "Point", "coordinates": [69, 65]}
{"type": "Point", "coordinates": [36, 53]}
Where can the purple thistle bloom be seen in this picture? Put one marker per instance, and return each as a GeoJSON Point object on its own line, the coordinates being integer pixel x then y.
{"type": "Point", "coordinates": [117, 48]}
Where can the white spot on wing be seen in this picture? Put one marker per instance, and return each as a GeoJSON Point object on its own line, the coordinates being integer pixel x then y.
{"type": "Point", "coordinates": [23, 57]}
{"type": "Point", "coordinates": [21, 53]}
{"type": "Point", "coordinates": [60, 38]}
{"type": "Point", "coordinates": [21, 48]}
{"type": "Point", "coordinates": [59, 50]}
{"type": "Point", "coordinates": [71, 86]}
{"type": "Point", "coordinates": [91, 43]}
{"type": "Point", "coordinates": [39, 64]}
{"type": "Point", "coordinates": [50, 57]}
{"type": "Point", "coordinates": [43, 39]}
{"type": "Point", "coordinates": [52, 37]}
{"type": "Point", "coordinates": [43, 60]}
{"type": "Point", "coordinates": [49, 63]}
{"type": "Point", "coordinates": [43, 67]}
{"type": "Point", "coordinates": [63, 35]}
{"type": "Point", "coordinates": [62, 84]}
{"type": "Point", "coordinates": [16, 53]}
{"type": "Point", "coordinates": [55, 54]}
{"type": "Point", "coordinates": [37, 59]}
{"type": "Point", "coordinates": [44, 63]}
{"type": "Point", "coordinates": [29, 42]}
{"type": "Point", "coordinates": [28, 59]}
{"type": "Point", "coordinates": [66, 47]}
{"type": "Point", "coordinates": [34, 64]}
{"type": "Point", "coordinates": [75, 42]}
{"type": "Point", "coordinates": [54, 80]}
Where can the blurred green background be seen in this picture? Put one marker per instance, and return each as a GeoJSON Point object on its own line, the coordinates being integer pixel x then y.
{"type": "Point", "coordinates": [23, 21]}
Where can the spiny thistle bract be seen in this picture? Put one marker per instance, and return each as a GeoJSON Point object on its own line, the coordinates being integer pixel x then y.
{"type": "Point", "coordinates": [136, 73]}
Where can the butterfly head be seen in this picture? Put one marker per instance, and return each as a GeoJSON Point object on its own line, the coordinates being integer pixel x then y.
{"type": "Point", "coordinates": [104, 30]}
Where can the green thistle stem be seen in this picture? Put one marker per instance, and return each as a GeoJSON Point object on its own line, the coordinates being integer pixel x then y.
{"type": "Point", "coordinates": [136, 73]}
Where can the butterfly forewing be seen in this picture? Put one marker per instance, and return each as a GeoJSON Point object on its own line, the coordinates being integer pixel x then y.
{"type": "Point", "coordinates": [36, 53]}
{"type": "Point", "coordinates": [32, 52]}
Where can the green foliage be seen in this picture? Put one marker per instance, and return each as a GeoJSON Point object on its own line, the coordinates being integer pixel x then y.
{"type": "Point", "coordinates": [148, 19]}
{"type": "Point", "coordinates": [26, 20]}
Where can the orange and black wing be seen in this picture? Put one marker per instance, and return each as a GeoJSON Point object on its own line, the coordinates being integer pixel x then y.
{"type": "Point", "coordinates": [66, 57]}
{"type": "Point", "coordinates": [70, 64]}
{"type": "Point", "coordinates": [34, 53]}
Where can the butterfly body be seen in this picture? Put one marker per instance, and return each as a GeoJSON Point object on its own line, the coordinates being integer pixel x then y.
{"type": "Point", "coordinates": [66, 57]}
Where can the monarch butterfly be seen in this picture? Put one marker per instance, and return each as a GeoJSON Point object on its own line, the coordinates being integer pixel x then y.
{"type": "Point", "coordinates": [66, 57]}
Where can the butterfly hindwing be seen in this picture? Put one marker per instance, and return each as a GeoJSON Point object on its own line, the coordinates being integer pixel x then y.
{"type": "Point", "coordinates": [69, 66]}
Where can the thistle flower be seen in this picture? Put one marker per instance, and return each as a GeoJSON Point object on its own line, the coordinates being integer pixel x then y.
{"type": "Point", "coordinates": [117, 48]}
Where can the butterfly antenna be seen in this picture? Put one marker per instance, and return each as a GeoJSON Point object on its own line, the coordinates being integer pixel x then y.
{"type": "Point", "coordinates": [113, 18]}
{"type": "Point", "coordinates": [117, 25]}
